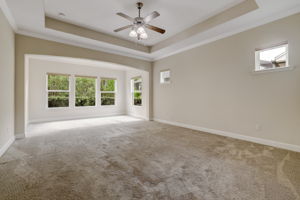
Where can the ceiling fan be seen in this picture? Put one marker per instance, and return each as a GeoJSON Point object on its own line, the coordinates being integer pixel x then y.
{"type": "Point", "coordinates": [140, 23]}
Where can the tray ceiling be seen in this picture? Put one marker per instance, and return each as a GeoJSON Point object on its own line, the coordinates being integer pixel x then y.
{"type": "Point", "coordinates": [176, 16]}
{"type": "Point", "coordinates": [189, 23]}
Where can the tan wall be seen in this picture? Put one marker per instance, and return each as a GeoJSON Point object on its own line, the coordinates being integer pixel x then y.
{"type": "Point", "coordinates": [213, 86]}
{"type": "Point", "coordinates": [6, 81]}
{"type": "Point", "coordinates": [30, 45]}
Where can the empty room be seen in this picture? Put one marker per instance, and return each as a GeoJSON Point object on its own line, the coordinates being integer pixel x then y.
{"type": "Point", "coordinates": [150, 100]}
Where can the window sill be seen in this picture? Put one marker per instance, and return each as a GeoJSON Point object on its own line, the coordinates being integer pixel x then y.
{"type": "Point", "coordinates": [274, 70]}
{"type": "Point", "coordinates": [82, 107]}
{"type": "Point", "coordinates": [58, 108]}
{"type": "Point", "coordinates": [165, 83]}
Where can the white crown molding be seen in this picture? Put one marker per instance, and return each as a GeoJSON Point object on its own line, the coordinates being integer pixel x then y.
{"type": "Point", "coordinates": [79, 44]}
{"type": "Point", "coordinates": [8, 15]}
{"type": "Point", "coordinates": [262, 141]}
{"type": "Point", "coordinates": [5, 147]}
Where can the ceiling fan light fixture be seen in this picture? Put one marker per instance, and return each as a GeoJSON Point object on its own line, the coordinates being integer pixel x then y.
{"type": "Point", "coordinates": [144, 35]}
{"type": "Point", "coordinates": [139, 24]}
{"type": "Point", "coordinates": [133, 33]}
{"type": "Point", "coordinates": [140, 30]}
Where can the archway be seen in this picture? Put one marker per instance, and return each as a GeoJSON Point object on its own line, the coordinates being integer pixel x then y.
{"type": "Point", "coordinates": [38, 66]}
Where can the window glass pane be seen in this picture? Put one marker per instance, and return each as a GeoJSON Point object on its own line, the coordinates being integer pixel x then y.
{"type": "Point", "coordinates": [165, 76]}
{"type": "Point", "coordinates": [58, 82]}
{"type": "Point", "coordinates": [107, 98]}
{"type": "Point", "coordinates": [85, 91]}
{"type": "Point", "coordinates": [58, 99]}
{"type": "Point", "coordinates": [137, 98]}
{"type": "Point", "coordinates": [273, 58]}
{"type": "Point", "coordinates": [107, 85]}
{"type": "Point", "coordinates": [136, 88]}
{"type": "Point", "coordinates": [137, 84]}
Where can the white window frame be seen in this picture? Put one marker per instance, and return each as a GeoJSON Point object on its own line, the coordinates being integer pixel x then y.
{"type": "Point", "coordinates": [47, 91]}
{"type": "Point", "coordinates": [132, 90]}
{"type": "Point", "coordinates": [257, 58]}
{"type": "Point", "coordinates": [108, 92]}
{"type": "Point", "coordinates": [160, 76]}
{"type": "Point", "coordinates": [96, 88]}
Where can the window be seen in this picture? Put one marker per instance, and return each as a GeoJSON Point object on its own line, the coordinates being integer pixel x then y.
{"type": "Point", "coordinates": [136, 90]}
{"type": "Point", "coordinates": [85, 92]}
{"type": "Point", "coordinates": [108, 91]}
{"type": "Point", "coordinates": [58, 90]}
{"type": "Point", "coordinates": [272, 58]}
{"type": "Point", "coordinates": [165, 76]}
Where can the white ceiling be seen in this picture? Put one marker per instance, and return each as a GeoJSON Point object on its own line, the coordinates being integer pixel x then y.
{"type": "Point", "coordinates": [176, 16]}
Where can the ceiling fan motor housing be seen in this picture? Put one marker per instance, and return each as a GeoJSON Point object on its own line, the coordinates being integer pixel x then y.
{"type": "Point", "coordinates": [139, 21]}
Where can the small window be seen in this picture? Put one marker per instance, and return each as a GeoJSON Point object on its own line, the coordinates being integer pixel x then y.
{"type": "Point", "coordinates": [85, 92]}
{"type": "Point", "coordinates": [58, 90]}
{"type": "Point", "coordinates": [165, 76]}
{"type": "Point", "coordinates": [272, 58]}
{"type": "Point", "coordinates": [136, 91]}
{"type": "Point", "coordinates": [108, 92]}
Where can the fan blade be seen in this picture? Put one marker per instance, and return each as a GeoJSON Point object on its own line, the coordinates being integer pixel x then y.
{"type": "Point", "coordinates": [150, 17]}
{"type": "Point", "coordinates": [126, 16]}
{"type": "Point", "coordinates": [154, 28]}
{"type": "Point", "coordinates": [123, 28]}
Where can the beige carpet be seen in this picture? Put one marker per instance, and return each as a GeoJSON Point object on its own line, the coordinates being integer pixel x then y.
{"type": "Point", "coordinates": [124, 158]}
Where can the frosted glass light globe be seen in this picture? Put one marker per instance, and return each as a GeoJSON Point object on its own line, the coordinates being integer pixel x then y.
{"type": "Point", "coordinates": [132, 33]}
{"type": "Point", "coordinates": [140, 30]}
{"type": "Point", "coordinates": [144, 35]}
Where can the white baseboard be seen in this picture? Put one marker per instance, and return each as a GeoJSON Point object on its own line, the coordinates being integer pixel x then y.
{"type": "Point", "coordinates": [139, 116]}
{"type": "Point", "coordinates": [272, 143]}
{"type": "Point", "coordinates": [4, 148]}
{"type": "Point", "coordinates": [34, 121]}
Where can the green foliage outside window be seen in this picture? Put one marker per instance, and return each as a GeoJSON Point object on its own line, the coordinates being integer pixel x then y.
{"type": "Point", "coordinates": [85, 91]}
{"type": "Point", "coordinates": [107, 99]}
{"type": "Point", "coordinates": [137, 91]}
{"type": "Point", "coordinates": [58, 99]}
{"type": "Point", "coordinates": [58, 86]}
{"type": "Point", "coordinates": [108, 92]}
{"type": "Point", "coordinates": [137, 98]}
{"type": "Point", "coordinates": [58, 82]}
{"type": "Point", "coordinates": [108, 85]}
